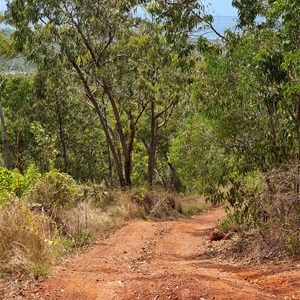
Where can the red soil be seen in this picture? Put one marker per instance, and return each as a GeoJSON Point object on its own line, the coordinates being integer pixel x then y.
{"type": "Point", "coordinates": [147, 260]}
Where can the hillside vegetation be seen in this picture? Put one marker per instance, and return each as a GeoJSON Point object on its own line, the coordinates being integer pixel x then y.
{"type": "Point", "coordinates": [117, 102]}
{"type": "Point", "coordinates": [44, 218]}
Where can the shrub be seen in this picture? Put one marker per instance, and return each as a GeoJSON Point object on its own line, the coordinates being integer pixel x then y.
{"type": "Point", "coordinates": [46, 217]}
{"type": "Point", "coordinates": [277, 211]}
{"type": "Point", "coordinates": [269, 204]}
{"type": "Point", "coordinates": [54, 191]}
{"type": "Point", "coordinates": [13, 183]}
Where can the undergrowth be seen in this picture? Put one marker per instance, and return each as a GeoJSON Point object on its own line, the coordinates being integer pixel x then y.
{"type": "Point", "coordinates": [28, 239]}
{"type": "Point", "coordinates": [266, 216]}
{"type": "Point", "coordinates": [194, 205]}
{"type": "Point", "coordinates": [45, 217]}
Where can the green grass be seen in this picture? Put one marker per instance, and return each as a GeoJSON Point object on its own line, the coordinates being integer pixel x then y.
{"type": "Point", "coordinates": [40, 270]}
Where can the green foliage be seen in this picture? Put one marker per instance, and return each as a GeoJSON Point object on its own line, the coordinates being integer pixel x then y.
{"type": "Point", "coordinates": [242, 123]}
{"type": "Point", "coordinates": [181, 18]}
{"type": "Point", "coordinates": [6, 45]}
{"type": "Point", "coordinates": [200, 162]}
{"type": "Point", "coordinates": [13, 183]}
{"type": "Point", "coordinates": [31, 176]}
{"type": "Point", "coordinates": [54, 191]}
{"type": "Point", "coordinates": [249, 10]}
{"type": "Point", "coordinates": [293, 242]}
{"type": "Point", "coordinates": [39, 270]}
{"type": "Point", "coordinates": [142, 103]}
{"type": "Point", "coordinates": [225, 224]}
{"type": "Point", "coordinates": [7, 181]}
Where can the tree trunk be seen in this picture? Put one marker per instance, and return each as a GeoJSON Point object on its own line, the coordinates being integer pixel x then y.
{"type": "Point", "coordinates": [110, 170]}
{"type": "Point", "coordinates": [127, 169]}
{"type": "Point", "coordinates": [116, 159]}
{"type": "Point", "coordinates": [103, 122]}
{"type": "Point", "coordinates": [62, 139]}
{"type": "Point", "coordinates": [125, 148]}
{"type": "Point", "coordinates": [298, 155]}
{"type": "Point", "coordinates": [128, 157]}
{"type": "Point", "coordinates": [152, 147]}
{"type": "Point", "coordinates": [7, 160]}
{"type": "Point", "coordinates": [172, 177]}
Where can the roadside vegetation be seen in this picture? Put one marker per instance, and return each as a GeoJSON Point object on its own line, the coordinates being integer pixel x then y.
{"type": "Point", "coordinates": [44, 218]}
{"type": "Point", "coordinates": [120, 117]}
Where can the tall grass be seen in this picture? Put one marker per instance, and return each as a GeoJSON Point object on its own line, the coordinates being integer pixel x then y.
{"type": "Point", "coordinates": [27, 239]}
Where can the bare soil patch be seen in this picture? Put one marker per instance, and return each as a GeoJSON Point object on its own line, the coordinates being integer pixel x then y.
{"type": "Point", "coordinates": [165, 260]}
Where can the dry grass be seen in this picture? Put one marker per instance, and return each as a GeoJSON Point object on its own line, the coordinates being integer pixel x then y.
{"type": "Point", "coordinates": [28, 240]}
{"type": "Point", "coordinates": [157, 204]}
{"type": "Point", "coordinates": [57, 217]}
{"type": "Point", "coordinates": [86, 221]}
{"type": "Point", "coordinates": [271, 225]}
{"type": "Point", "coordinates": [277, 212]}
{"type": "Point", "coordinates": [34, 238]}
{"type": "Point", "coordinates": [162, 205]}
{"type": "Point", "coordinates": [194, 205]}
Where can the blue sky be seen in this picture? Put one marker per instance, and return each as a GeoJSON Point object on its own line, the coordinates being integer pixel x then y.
{"type": "Point", "coordinates": [2, 5]}
{"type": "Point", "coordinates": [218, 7]}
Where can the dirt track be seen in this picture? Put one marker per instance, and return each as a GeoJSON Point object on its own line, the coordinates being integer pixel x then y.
{"type": "Point", "coordinates": [158, 261]}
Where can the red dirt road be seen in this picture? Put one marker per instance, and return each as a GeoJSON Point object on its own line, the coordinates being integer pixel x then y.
{"type": "Point", "coordinates": [160, 261]}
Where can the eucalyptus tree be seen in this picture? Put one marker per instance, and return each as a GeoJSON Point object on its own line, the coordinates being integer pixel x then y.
{"type": "Point", "coordinates": [183, 18]}
{"type": "Point", "coordinates": [65, 129]}
{"type": "Point", "coordinates": [163, 81]}
{"type": "Point", "coordinates": [287, 15]}
{"type": "Point", "coordinates": [278, 58]}
{"type": "Point", "coordinates": [247, 118]}
{"type": "Point", "coordinates": [18, 99]}
{"type": "Point", "coordinates": [6, 53]}
{"type": "Point", "coordinates": [85, 37]}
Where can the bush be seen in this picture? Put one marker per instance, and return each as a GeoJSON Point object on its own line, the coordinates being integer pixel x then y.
{"type": "Point", "coordinates": [13, 183]}
{"type": "Point", "coordinates": [277, 211]}
{"type": "Point", "coordinates": [54, 191]}
{"type": "Point", "coordinates": [47, 217]}
{"type": "Point", "coordinates": [269, 204]}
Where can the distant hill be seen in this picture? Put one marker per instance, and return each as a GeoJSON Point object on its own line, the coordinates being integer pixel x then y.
{"type": "Point", "coordinates": [15, 65]}
{"type": "Point", "coordinates": [7, 31]}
